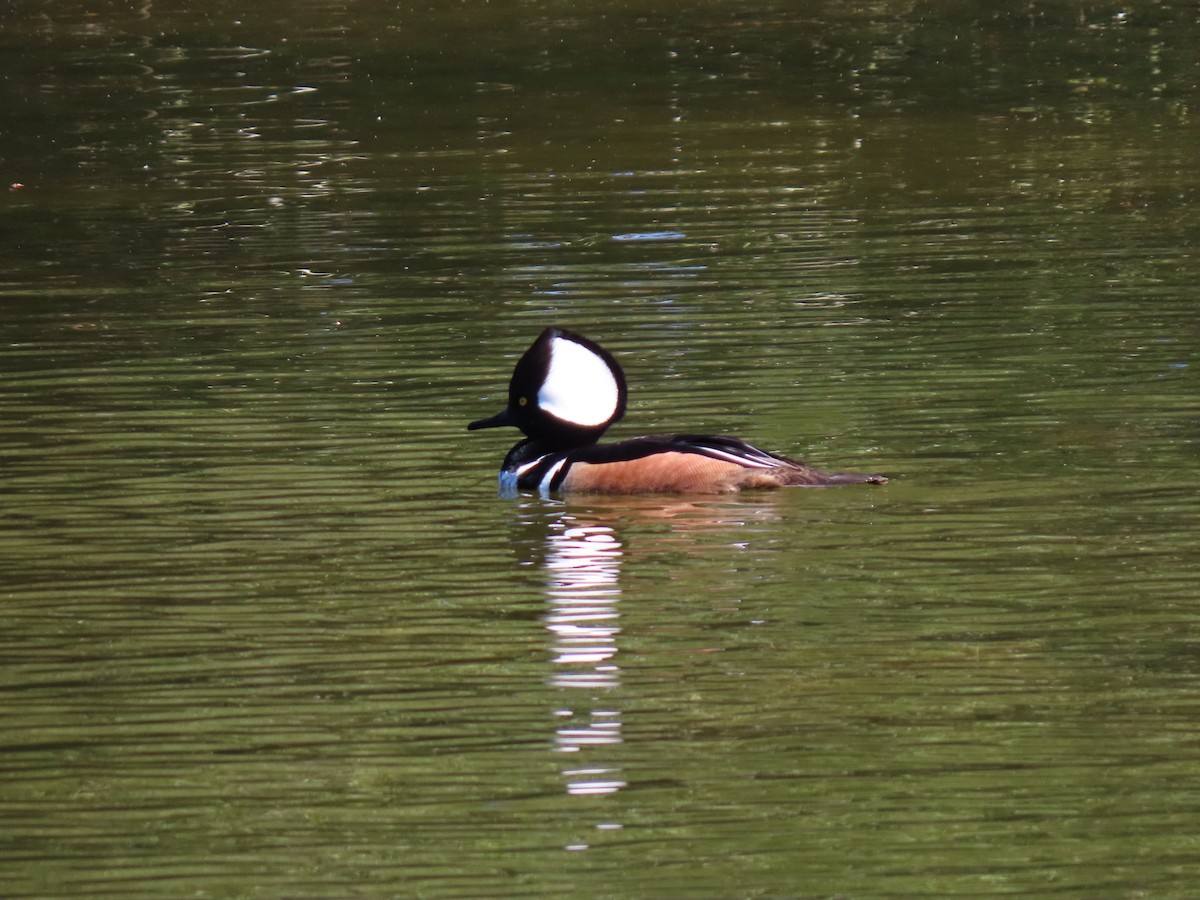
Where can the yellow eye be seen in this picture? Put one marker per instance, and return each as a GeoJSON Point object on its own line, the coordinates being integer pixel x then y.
{"type": "Point", "coordinates": [524, 401]}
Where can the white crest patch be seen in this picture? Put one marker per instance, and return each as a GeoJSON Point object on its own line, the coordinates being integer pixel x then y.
{"type": "Point", "coordinates": [579, 387]}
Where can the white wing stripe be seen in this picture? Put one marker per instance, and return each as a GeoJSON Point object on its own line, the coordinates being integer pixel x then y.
{"type": "Point", "coordinates": [754, 462]}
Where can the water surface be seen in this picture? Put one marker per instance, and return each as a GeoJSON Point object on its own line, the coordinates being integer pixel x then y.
{"type": "Point", "coordinates": [270, 630]}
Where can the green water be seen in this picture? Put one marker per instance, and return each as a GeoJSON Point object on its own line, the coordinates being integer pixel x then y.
{"type": "Point", "coordinates": [269, 631]}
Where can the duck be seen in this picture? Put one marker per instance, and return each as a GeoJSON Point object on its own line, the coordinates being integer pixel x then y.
{"type": "Point", "coordinates": [565, 392]}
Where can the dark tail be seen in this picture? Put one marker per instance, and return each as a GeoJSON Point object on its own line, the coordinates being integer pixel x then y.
{"type": "Point", "coordinates": [855, 478]}
{"type": "Point", "coordinates": [804, 475]}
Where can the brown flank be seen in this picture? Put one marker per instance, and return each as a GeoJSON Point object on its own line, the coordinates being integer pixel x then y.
{"type": "Point", "coordinates": [694, 473]}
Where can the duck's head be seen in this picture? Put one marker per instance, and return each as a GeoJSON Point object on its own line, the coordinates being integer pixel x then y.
{"type": "Point", "coordinates": [565, 391]}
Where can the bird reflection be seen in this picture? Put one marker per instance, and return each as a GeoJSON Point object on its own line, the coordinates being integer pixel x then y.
{"type": "Point", "coordinates": [579, 549]}
{"type": "Point", "coordinates": [582, 566]}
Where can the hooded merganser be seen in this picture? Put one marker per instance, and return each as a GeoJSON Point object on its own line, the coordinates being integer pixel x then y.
{"type": "Point", "coordinates": [566, 390]}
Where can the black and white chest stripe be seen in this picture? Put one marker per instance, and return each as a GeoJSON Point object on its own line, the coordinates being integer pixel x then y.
{"type": "Point", "coordinates": [545, 473]}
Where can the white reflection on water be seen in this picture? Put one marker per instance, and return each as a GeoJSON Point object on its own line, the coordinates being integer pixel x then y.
{"type": "Point", "coordinates": [581, 556]}
{"type": "Point", "coordinates": [582, 566]}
